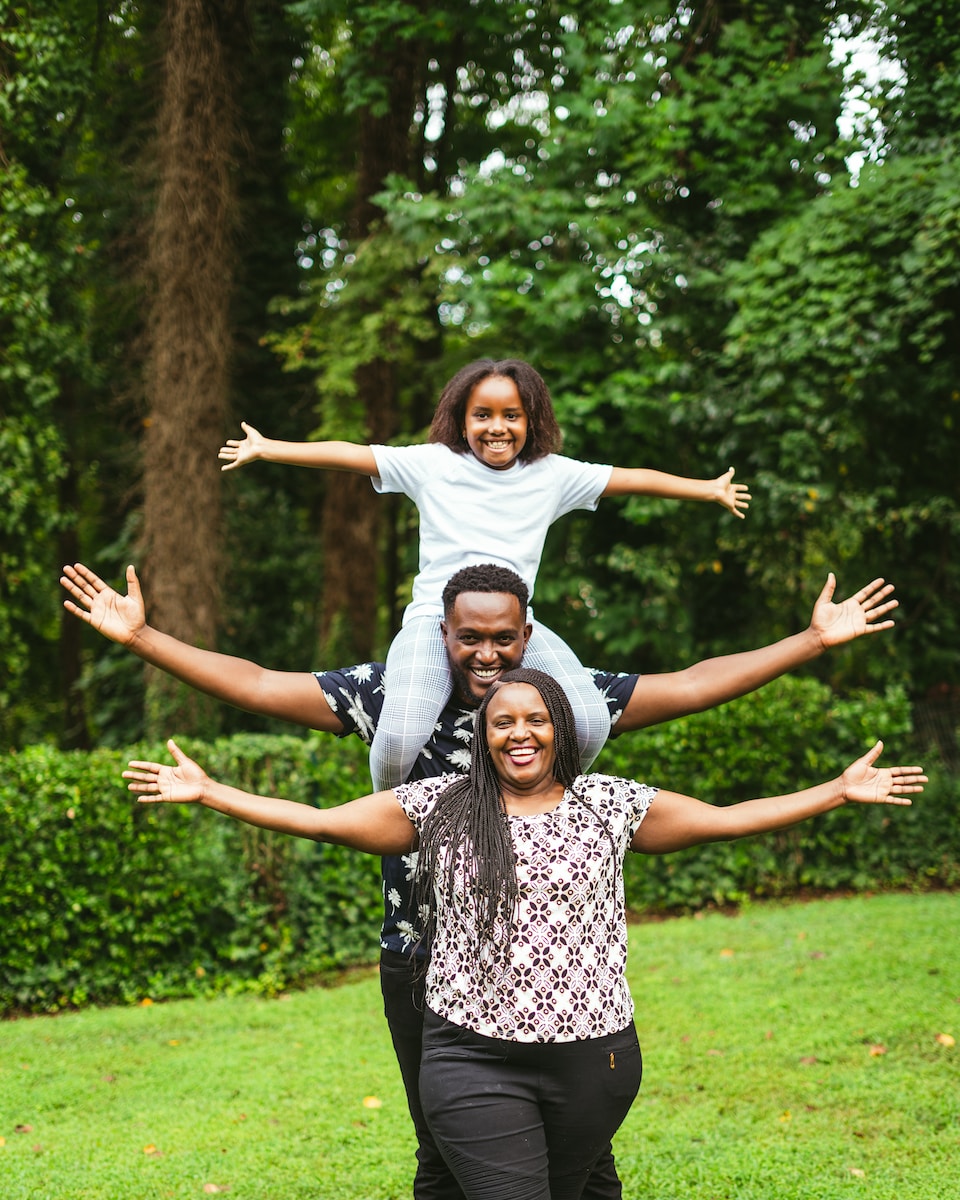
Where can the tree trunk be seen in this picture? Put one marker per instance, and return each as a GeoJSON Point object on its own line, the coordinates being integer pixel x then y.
{"type": "Point", "coordinates": [188, 343]}
{"type": "Point", "coordinates": [352, 511]}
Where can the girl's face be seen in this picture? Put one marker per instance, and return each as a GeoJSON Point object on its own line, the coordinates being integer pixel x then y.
{"type": "Point", "coordinates": [495, 422]}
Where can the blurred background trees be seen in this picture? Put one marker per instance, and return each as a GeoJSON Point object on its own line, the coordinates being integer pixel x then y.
{"type": "Point", "coordinates": [720, 240]}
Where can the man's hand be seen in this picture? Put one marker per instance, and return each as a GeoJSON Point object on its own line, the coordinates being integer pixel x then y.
{"type": "Point", "coordinates": [866, 784]}
{"type": "Point", "coordinates": [733, 496]}
{"type": "Point", "coordinates": [238, 451]}
{"type": "Point", "coordinates": [861, 613]}
{"type": "Point", "coordinates": [120, 618]}
{"type": "Point", "coordinates": [182, 784]}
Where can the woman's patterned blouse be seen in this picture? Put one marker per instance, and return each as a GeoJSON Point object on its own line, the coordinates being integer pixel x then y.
{"type": "Point", "coordinates": [560, 978]}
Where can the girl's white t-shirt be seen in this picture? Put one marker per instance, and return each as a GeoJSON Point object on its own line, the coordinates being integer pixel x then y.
{"type": "Point", "coordinates": [471, 513]}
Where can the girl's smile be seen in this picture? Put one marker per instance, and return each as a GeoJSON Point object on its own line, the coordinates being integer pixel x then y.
{"type": "Point", "coordinates": [495, 422]}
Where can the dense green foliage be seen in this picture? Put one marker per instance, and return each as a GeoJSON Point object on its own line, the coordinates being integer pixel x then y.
{"type": "Point", "coordinates": [651, 202]}
{"type": "Point", "coordinates": [104, 900]}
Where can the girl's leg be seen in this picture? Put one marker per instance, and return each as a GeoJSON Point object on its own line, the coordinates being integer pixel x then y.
{"type": "Point", "coordinates": [416, 687]}
{"type": "Point", "coordinates": [547, 652]}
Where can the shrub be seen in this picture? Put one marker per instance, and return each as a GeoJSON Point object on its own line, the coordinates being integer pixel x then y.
{"type": "Point", "coordinates": [792, 734]}
{"type": "Point", "coordinates": [104, 900]}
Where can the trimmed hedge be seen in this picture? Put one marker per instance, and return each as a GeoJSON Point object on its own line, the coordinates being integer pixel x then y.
{"type": "Point", "coordinates": [104, 900]}
{"type": "Point", "coordinates": [792, 734]}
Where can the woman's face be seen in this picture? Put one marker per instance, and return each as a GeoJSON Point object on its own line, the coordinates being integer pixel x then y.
{"type": "Point", "coordinates": [520, 737]}
{"type": "Point", "coordinates": [495, 422]}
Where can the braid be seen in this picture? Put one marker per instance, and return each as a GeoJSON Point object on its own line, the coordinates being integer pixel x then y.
{"type": "Point", "coordinates": [466, 852]}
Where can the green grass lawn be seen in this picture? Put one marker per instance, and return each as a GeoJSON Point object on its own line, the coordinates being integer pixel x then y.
{"type": "Point", "coordinates": [790, 1053]}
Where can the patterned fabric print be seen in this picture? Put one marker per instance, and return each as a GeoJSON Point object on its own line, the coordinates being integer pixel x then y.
{"type": "Point", "coordinates": [561, 977]}
{"type": "Point", "coordinates": [355, 694]}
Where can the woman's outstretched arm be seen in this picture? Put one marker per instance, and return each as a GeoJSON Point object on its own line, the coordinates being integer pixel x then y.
{"type": "Point", "coordinates": [674, 822]}
{"type": "Point", "coordinates": [376, 824]}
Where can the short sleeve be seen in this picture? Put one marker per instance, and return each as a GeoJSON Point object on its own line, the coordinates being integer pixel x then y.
{"type": "Point", "coordinates": [617, 690]}
{"type": "Point", "coordinates": [417, 799]}
{"type": "Point", "coordinates": [355, 694]}
{"type": "Point", "coordinates": [406, 469]}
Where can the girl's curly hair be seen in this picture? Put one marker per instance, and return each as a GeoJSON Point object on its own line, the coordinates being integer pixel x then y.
{"type": "Point", "coordinates": [543, 431]}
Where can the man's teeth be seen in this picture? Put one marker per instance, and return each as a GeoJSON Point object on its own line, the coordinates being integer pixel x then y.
{"type": "Point", "coordinates": [486, 672]}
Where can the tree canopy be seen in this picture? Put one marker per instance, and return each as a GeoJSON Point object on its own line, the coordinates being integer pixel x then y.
{"type": "Point", "coordinates": [310, 215]}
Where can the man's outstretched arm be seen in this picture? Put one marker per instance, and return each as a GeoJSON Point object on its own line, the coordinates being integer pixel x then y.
{"type": "Point", "coordinates": [293, 696]}
{"type": "Point", "coordinates": [714, 681]}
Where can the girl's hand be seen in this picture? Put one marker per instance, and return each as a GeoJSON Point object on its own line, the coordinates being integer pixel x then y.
{"type": "Point", "coordinates": [733, 496]}
{"type": "Point", "coordinates": [182, 784]}
{"type": "Point", "coordinates": [867, 784]}
{"type": "Point", "coordinates": [237, 452]}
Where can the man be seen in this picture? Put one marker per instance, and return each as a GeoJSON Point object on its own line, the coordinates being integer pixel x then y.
{"type": "Point", "coordinates": [485, 632]}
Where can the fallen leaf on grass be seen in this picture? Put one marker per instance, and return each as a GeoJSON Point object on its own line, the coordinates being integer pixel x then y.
{"type": "Point", "coordinates": [860, 1174]}
{"type": "Point", "coordinates": [946, 1039]}
{"type": "Point", "coordinates": [877, 1049]}
{"type": "Point", "coordinates": [786, 1116]}
{"type": "Point", "coordinates": [715, 1053]}
{"type": "Point", "coordinates": [727, 953]}
{"type": "Point", "coordinates": [213, 1188]}
{"type": "Point", "coordinates": [152, 1151]}
{"type": "Point", "coordinates": [3, 1141]}
{"type": "Point", "coordinates": [372, 1102]}
{"type": "Point", "coordinates": [809, 1060]}
{"type": "Point", "coordinates": [23, 1129]}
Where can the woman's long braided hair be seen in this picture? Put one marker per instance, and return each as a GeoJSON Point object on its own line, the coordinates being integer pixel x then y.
{"type": "Point", "coordinates": [465, 845]}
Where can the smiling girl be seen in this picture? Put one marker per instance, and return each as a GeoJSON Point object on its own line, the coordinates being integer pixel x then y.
{"type": "Point", "coordinates": [488, 485]}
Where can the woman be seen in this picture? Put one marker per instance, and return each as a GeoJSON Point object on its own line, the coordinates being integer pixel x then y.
{"type": "Point", "coordinates": [530, 1059]}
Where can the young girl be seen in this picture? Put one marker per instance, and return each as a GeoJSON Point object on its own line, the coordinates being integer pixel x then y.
{"type": "Point", "coordinates": [488, 485]}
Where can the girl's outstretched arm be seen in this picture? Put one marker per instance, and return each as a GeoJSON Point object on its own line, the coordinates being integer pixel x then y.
{"type": "Point", "coordinates": [674, 822]}
{"type": "Point", "coordinates": [638, 481]}
{"type": "Point", "coordinates": [332, 456]}
{"type": "Point", "coordinates": [376, 824]}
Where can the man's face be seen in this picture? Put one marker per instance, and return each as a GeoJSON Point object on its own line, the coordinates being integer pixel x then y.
{"type": "Point", "coordinates": [485, 635]}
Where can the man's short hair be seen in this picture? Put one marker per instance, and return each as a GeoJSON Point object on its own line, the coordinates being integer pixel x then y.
{"type": "Point", "coordinates": [485, 577]}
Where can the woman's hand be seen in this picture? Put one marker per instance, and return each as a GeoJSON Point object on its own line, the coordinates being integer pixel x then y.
{"type": "Point", "coordinates": [238, 451]}
{"type": "Point", "coordinates": [183, 784]}
{"type": "Point", "coordinates": [864, 783]}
